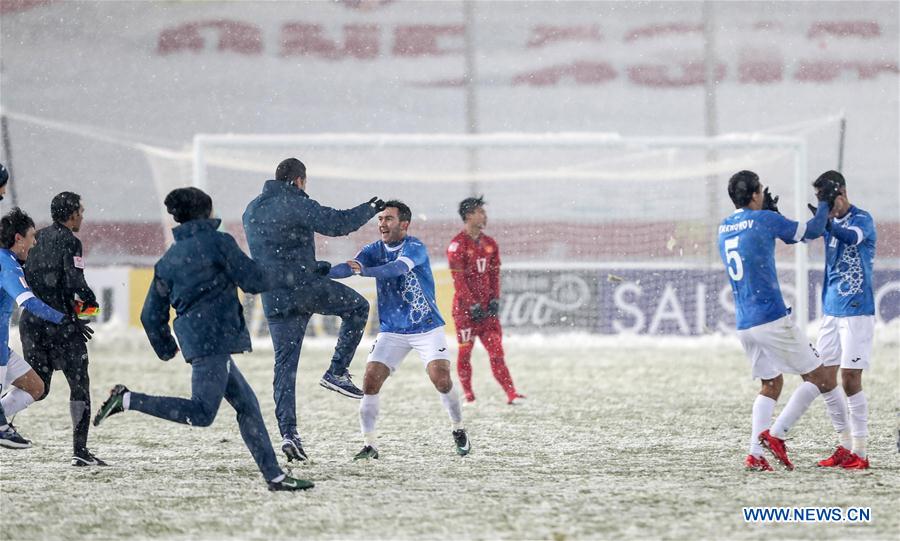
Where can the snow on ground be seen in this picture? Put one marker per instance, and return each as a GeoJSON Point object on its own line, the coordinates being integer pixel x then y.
{"type": "Point", "coordinates": [614, 442]}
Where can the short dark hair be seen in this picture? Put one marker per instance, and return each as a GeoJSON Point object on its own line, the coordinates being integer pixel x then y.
{"type": "Point", "coordinates": [13, 222]}
{"type": "Point", "coordinates": [186, 204]}
{"type": "Point", "coordinates": [290, 169]}
{"type": "Point", "coordinates": [742, 186]}
{"type": "Point", "coordinates": [833, 176]}
{"type": "Point", "coordinates": [4, 175]}
{"type": "Point", "coordinates": [64, 205]}
{"type": "Point", "coordinates": [469, 205]}
{"type": "Point", "coordinates": [403, 212]}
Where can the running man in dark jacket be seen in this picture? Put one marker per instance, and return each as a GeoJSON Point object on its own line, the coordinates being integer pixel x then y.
{"type": "Point", "coordinates": [199, 276]}
{"type": "Point", "coordinates": [280, 225]}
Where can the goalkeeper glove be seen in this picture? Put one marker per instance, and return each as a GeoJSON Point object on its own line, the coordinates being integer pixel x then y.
{"type": "Point", "coordinates": [494, 307]}
{"type": "Point", "coordinates": [769, 202]}
{"type": "Point", "coordinates": [83, 331]}
{"type": "Point", "coordinates": [377, 204]}
{"type": "Point", "coordinates": [323, 268]}
{"type": "Point", "coordinates": [477, 312]}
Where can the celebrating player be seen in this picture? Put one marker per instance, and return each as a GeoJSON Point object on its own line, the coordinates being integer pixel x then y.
{"type": "Point", "coordinates": [765, 326]}
{"type": "Point", "coordinates": [848, 323]}
{"type": "Point", "coordinates": [16, 239]}
{"type": "Point", "coordinates": [280, 225]}
{"type": "Point", "coordinates": [409, 320]}
{"type": "Point", "coordinates": [475, 265]}
{"type": "Point", "coordinates": [55, 268]}
{"type": "Point", "coordinates": [199, 276]}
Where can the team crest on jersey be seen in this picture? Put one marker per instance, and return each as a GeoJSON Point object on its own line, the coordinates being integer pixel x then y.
{"type": "Point", "coordinates": [453, 246]}
{"type": "Point", "coordinates": [79, 262]}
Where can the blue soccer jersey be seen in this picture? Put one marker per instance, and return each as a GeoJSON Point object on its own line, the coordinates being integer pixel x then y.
{"type": "Point", "coordinates": [849, 254]}
{"type": "Point", "coordinates": [747, 247]}
{"type": "Point", "coordinates": [15, 291]}
{"type": "Point", "coordinates": [406, 303]}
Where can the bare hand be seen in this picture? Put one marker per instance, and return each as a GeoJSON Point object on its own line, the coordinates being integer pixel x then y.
{"type": "Point", "coordinates": [355, 266]}
{"type": "Point", "coordinates": [841, 205]}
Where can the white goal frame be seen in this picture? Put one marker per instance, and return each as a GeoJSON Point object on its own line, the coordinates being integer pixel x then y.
{"type": "Point", "coordinates": [797, 145]}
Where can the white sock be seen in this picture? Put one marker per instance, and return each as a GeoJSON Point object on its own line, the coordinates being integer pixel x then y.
{"type": "Point", "coordinates": [763, 407]}
{"type": "Point", "coordinates": [368, 414]}
{"type": "Point", "coordinates": [279, 479]}
{"type": "Point", "coordinates": [15, 401]}
{"type": "Point", "coordinates": [450, 400]}
{"type": "Point", "coordinates": [126, 401]}
{"type": "Point", "coordinates": [859, 422]}
{"type": "Point", "coordinates": [836, 406]}
{"type": "Point", "coordinates": [795, 408]}
{"type": "Point", "coordinates": [370, 439]}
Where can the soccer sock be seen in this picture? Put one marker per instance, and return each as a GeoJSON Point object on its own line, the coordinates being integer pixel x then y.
{"type": "Point", "coordinates": [126, 401]}
{"type": "Point", "coordinates": [795, 408]}
{"type": "Point", "coordinates": [464, 367]}
{"type": "Point", "coordinates": [859, 422]}
{"type": "Point", "coordinates": [450, 400]}
{"type": "Point", "coordinates": [763, 407]}
{"type": "Point", "coordinates": [368, 414]}
{"type": "Point", "coordinates": [501, 374]}
{"type": "Point", "coordinates": [836, 405]}
{"type": "Point", "coordinates": [15, 401]}
{"type": "Point", "coordinates": [81, 420]}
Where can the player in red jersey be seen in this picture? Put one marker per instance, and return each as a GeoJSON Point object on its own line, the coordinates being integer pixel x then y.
{"type": "Point", "coordinates": [475, 265]}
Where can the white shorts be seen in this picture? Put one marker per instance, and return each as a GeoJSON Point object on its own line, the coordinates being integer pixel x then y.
{"type": "Point", "coordinates": [846, 341]}
{"type": "Point", "coordinates": [777, 347]}
{"type": "Point", "coordinates": [15, 369]}
{"type": "Point", "coordinates": [390, 348]}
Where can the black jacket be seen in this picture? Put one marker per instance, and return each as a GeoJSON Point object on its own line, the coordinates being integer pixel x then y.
{"type": "Point", "coordinates": [280, 225]}
{"type": "Point", "coordinates": [199, 276]}
{"type": "Point", "coordinates": [55, 271]}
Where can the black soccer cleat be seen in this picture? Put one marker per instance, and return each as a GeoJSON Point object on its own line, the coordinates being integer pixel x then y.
{"type": "Point", "coordinates": [461, 439]}
{"type": "Point", "coordinates": [341, 384]}
{"type": "Point", "coordinates": [11, 439]}
{"type": "Point", "coordinates": [366, 453]}
{"type": "Point", "coordinates": [289, 484]}
{"type": "Point", "coordinates": [112, 405]}
{"type": "Point", "coordinates": [86, 458]}
{"type": "Point", "coordinates": [292, 447]}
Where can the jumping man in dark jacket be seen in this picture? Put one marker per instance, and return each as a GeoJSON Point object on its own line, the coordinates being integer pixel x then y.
{"type": "Point", "coordinates": [55, 271]}
{"type": "Point", "coordinates": [199, 276]}
{"type": "Point", "coordinates": [280, 225]}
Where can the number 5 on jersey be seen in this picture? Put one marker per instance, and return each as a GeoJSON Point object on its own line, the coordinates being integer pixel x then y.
{"type": "Point", "coordinates": [731, 254]}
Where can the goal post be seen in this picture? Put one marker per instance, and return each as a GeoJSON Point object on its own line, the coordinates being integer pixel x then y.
{"type": "Point", "coordinates": [555, 200]}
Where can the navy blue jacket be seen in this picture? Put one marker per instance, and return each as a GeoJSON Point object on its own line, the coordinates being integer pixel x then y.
{"type": "Point", "coordinates": [199, 276]}
{"type": "Point", "coordinates": [280, 225]}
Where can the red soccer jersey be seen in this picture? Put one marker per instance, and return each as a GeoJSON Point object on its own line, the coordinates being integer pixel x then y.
{"type": "Point", "coordinates": [475, 266]}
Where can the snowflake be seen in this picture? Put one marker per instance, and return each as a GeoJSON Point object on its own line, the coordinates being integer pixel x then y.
{"type": "Point", "coordinates": [849, 268]}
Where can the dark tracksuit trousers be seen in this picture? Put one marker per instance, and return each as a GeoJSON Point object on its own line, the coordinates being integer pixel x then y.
{"type": "Point", "coordinates": [213, 378]}
{"type": "Point", "coordinates": [321, 296]}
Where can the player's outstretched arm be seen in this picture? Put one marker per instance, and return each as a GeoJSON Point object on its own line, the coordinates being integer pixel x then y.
{"type": "Point", "coordinates": [13, 282]}
{"type": "Point", "coordinates": [155, 319]}
{"type": "Point", "coordinates": [337, 223]}
{"type": "Point", "coordinates": [390, 270]}
{"type": "Point", "coordinates": [341, 270]}
{"type": "Point", "coordinates": [815, 227]}
{"type": "Point", "coordinates": [42, 310]}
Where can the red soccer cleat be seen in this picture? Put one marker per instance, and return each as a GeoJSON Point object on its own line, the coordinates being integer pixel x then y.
{"type": "Point", "coordinates": [751, 463]}
{"type": "Point", "coordinates": [855, 462]}
{"type": "Point", "coordinates": [840, 455]}
{"type": "Point", "coordinates": [470, 397]}
{"type": "Point", "coordinates": [777, 447]}
{"type": "Point", "coordinates": [515, 399]}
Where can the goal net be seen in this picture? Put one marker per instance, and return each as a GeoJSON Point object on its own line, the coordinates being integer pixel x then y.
{"type": "Point", "coordinates": [597, 231]}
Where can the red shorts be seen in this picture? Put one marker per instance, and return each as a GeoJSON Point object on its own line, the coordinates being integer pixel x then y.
{"type": "Point", "coordinates": [467, 330]}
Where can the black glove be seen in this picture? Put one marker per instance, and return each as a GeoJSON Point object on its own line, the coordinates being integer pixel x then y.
{"type": "Point", "coordinates": [827, 190]}
{"type": "Point", "coordinates": [323, 268]}
{"type": "Point", "coordinates": [477, 312]}
{"type": "Point", "coordinates": [769, 202]}
{"type": "Point", "coordinates": [377, 204]}
{"type": "Point", "coordinates": [494, 307]}
{"type": "Point", "coordinates": [83, 331]}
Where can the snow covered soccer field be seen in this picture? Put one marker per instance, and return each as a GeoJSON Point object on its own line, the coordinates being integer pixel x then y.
{"type": "Point", "coordinates": [616, 440]}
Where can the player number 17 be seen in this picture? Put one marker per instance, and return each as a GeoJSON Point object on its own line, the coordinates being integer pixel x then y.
{"type": "Point", "coordinates": [731, 254]}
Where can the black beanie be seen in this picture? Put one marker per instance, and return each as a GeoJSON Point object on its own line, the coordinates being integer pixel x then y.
{"type": "Point", "coordinates": [290, 169]}
{"type": "Point", "coordinates": [186, 204]}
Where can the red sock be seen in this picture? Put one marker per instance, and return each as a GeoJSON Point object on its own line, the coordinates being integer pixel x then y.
{"type": "Point", "coordinates": [464, 368]}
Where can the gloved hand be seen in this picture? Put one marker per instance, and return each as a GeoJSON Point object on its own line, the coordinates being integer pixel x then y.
{"type": "Point", "coordinates": [377, 204]}
{"type": "Point", "coordinates": [322, 268]}
{"type": "Point", "coordinates": [494, 307]}
{"type": "Point", "coordinates": [827, 190]}
{"type": "Point", "coordinates": [83, 331]}
{"type": "Point", "coordinates": [476, 312]}
{"type": "Point", "coordinates": [769, 202]}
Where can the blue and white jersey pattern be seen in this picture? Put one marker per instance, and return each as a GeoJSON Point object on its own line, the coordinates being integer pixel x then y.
{"type": "Point", "coordinates": [747, 248]}
{"type": "Point", "coordinates": [849, 255]}
{"type": "Point", "coordinates": [15, 291]}
{"type": "Point", "coordinates": [406, 303]}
